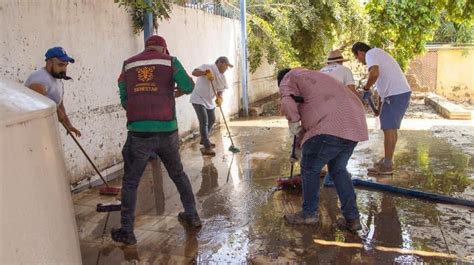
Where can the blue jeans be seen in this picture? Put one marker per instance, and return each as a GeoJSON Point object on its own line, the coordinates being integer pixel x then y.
{"type": "Point", "coordinates": [206, 118]}
{"type": "Point", "coordinates": [335, 152]}
{"type": "Point", "coordinates": [138, 149]}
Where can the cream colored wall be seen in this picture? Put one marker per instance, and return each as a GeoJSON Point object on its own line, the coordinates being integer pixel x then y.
{"type": "Point", "coordinates": [98, 34]}
{"type": "Point", "coordinates": [455, 74]}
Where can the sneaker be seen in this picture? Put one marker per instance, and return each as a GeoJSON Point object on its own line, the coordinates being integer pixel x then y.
{"type": "Point", "coordinates": [208, 151]}
{"type": "Point", "coordinates": [351, 225]}
{"type": "Point", "coordinates": [300, 219]}
{"type": "Point", "coordinates": [380, 169]}
{"type": "Point", "coordinates": [122, 236]}
{"type": "Point", "coordinates": [191, 220]}
{"type": "Point", "coordinates": [213, 145]}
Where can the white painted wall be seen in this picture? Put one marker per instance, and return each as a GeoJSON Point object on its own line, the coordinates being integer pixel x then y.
{"type": "Point", "coordinates": [98, 34]}
{"type": "Point", "coordinates": [37, 223]}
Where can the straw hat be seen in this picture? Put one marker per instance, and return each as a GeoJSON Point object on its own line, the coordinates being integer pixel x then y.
{"type": "Point", "coordinates": [336, 56]}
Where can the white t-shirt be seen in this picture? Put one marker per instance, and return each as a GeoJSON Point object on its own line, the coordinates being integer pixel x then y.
{"type": "Point", "coordinates": [340, 73]}
{"type": "Point", "coordinates": [391, 80]}
{"type": "Point", "coordinates": [203, 93]}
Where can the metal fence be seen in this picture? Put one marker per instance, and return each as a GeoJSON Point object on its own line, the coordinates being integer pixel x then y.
{"type": "Point", "coordinates": [213, 7]}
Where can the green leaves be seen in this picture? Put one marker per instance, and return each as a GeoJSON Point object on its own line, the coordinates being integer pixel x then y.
{"type": "Point", "coordinates": [403, 27]}
{"type": "Point", "coordinates": [301, 32]}
{"type": "Point", "coordinates": [160, 9]}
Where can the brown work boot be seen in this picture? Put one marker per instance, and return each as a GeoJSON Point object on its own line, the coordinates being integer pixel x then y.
{"type": "Point", "coordinates": [208, 151]}
{"type": "Point", "coordinates": [300, 219]}
{"type": "Point", "coordinates": [213, 145]}
{"type": "Point", "coordinates": [351, 225]}
{"type": "Point", "coordinates": [380, 169]}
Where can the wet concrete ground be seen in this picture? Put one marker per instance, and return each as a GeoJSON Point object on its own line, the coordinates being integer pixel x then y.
{"type": "Point", "coordinates": [242, 214]}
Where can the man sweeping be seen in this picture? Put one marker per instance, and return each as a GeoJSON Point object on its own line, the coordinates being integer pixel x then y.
{"type": "Point", "coordinates": [204, 97]}
{"type": "Point", "coordinates": [147, 85]}
{"type": "Point", "coordinates": [394, 92]}
{"type": "Point", "coordinates": [330, 120]}
{"type": "Point", "coordinates": [48, 82]}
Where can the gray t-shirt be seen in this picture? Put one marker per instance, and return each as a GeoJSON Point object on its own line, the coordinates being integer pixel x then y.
{"type": "Point", "coordinates": [54, 87]}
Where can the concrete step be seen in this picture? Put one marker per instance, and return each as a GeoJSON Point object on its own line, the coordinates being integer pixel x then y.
{"type": "Point", "coordinates": [447, 108]}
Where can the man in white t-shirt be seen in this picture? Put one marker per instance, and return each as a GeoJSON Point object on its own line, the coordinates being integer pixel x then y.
{"type": "Point", "coordinates": [394, 92]}
{"type": "Point", "coordinates": [204, 97]}
{"type": "Point", "coordinates": [343, 74]}
{"type": "Point", "coordinates": [336, 69]}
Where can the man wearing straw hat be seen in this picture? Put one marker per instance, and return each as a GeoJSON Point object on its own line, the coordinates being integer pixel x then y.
{"type": "Point", "coordinates": [343, 74]}
{"type": "Point", "coordinates": [337, 70]}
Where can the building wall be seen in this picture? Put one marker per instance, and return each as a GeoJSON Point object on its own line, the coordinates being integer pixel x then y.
{"type": "Point", "coordinates": [456, 74]}
{"type": "Point", "coordinates": [424, 69]}
{"type": "Point", "coordinates": [98, 34]}
{"type": "Point", "coordinates": [445, 70]}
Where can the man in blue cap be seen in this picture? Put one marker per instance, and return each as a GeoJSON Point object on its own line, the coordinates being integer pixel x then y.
{"type": "Point", "coordinates": [47, 81]}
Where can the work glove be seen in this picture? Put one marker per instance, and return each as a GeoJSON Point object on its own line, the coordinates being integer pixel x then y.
{"type": "Point", "coordinates": [219, 101]}
{"type": "Point", "coordinates": [209, 75]}
{"type": "Point", "coordinates": [366, 95]}
{"type": "Point", "coordinates": [296, 157]}
{"type": "Point", "coordinates": [295, 128]}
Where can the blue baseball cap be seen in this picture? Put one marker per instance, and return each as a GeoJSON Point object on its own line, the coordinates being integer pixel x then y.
{"type": "Point", "coordinates": [60, 53]}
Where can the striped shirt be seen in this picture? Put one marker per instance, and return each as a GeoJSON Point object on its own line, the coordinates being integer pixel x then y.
{"type": "Point", "coordinates": [328, 108]}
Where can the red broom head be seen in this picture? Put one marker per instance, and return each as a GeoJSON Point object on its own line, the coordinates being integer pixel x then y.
{"type": "Point", "coordinates": [109, 190]}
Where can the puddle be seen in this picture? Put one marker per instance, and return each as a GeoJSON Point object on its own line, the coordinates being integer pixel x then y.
{"type": "Point", "coordinates": [242, 216]}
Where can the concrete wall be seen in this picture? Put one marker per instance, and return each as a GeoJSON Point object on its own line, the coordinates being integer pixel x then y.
{"type": "Point", "coordinates": [455, 75]}
{"type": "Point", "coordinates": [445, 70]}
{"type": "Point", "coordinates": [424, 71]}
{"type": "Point", "coordinates": [98, 34]}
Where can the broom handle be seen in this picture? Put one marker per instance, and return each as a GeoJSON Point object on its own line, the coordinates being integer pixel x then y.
{"type": "Point", "coordinates": [84, 152]}
{"type": "Point", "coordinates": [293, 150]}
{"type": "Point", "coordinates": [223, 116]}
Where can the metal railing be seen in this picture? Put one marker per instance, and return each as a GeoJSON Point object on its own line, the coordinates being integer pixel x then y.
{"type": "Point", "coordinates": [212, 7]}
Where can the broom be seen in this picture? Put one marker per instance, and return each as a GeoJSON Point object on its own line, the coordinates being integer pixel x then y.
{"type": "Point", "coordinates": [232, 148]}
{"type": "Point", "coordinates": [107, 190]}
{"type": "Point", "coordinates": [290, 183]}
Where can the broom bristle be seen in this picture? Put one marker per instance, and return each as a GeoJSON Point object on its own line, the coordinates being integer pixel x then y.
{"type": "Point", "coordinates": [109, 191]}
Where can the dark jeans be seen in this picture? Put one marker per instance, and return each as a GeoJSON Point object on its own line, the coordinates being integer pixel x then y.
{"type": "Point", "coordinates": [335, 152]}
{"type": "Point", "coordinates": [136, 152]}
{"type": "Point", "coordinates": [206, 119]}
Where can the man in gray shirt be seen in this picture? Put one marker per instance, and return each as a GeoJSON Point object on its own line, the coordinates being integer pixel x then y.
{"type": "Point", "coordinates": [47, 81]}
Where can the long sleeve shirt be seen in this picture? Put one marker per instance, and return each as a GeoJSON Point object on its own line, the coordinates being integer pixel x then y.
{"type": "Point", "coordinates": [328, 108]}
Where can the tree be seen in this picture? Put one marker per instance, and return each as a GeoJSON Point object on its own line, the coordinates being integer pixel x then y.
{"type": "Point", "coordinates": [301, 32]}
{"type": "Point", "coordinates": [452, 32]}
{"type": "Point", "coordinates": [160, 9]}
{"type": "Point", "coordinates": [403, 27]}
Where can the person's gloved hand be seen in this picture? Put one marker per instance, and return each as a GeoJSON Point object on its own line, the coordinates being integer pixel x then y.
{"type": "Point", "coordinates": [219, 101]}
{"type": "Point", "coordinates": [295, 128]}
{"type": "Point", "coordinates": [366, 95]}
{"type": "Point", "coordinates": [296, 157]}
{"type": "Point", "coordinates": [209, 75]}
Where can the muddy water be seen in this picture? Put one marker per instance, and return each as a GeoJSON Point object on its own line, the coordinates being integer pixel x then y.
{"type": "Point", "coordinates": [242, 214]}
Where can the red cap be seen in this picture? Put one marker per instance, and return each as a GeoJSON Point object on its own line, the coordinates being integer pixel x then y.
{"type": "Point", "coordinates": [155, 40]}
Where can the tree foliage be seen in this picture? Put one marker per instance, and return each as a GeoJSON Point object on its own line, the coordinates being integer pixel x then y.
{"type": "Point", "coordinates": [452, 32]}
{"type": "Point", "coordinates": [301, 32]}
{"type": "Point", "coordinates": [160, 9]}
{"type": "Point", "coordinates": [403, 27]}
